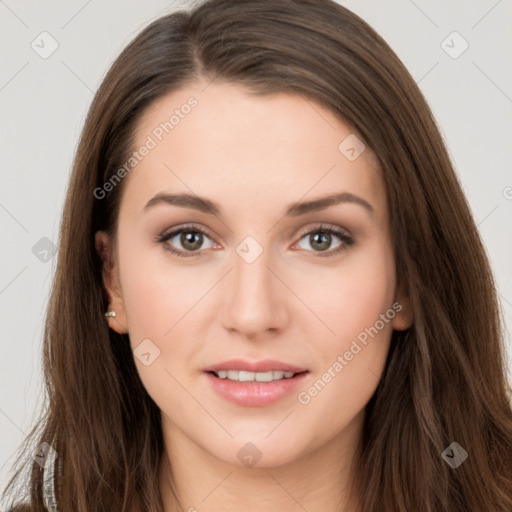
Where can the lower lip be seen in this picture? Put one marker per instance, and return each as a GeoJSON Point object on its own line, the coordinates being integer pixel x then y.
{"type": "Point", "coordinates": [253, 393]}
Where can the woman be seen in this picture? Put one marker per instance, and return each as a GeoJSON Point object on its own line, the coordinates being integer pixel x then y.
{"type": "Point", "coordinates": [270, 291]}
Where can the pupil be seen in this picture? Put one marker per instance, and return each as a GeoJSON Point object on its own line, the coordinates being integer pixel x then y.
{"type": "Point", "coordinates": [320, 240]}
{"type": "Point", "coordinates": [191, 240]}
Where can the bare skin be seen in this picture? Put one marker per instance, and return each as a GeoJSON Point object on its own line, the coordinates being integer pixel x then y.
{"type": "Point", "coordinates": [255, 157]}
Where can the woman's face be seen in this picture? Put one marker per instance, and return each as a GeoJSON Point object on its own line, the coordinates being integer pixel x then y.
{"type": "Point", "coordinates": [260, 277]}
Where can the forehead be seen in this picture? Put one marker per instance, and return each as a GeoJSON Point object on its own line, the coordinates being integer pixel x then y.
{"type": "Point", "coordinates": [221, 137]}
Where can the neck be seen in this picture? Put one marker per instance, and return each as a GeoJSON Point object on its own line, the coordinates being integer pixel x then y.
{"type": "Point", "coordinates": [316, 481]}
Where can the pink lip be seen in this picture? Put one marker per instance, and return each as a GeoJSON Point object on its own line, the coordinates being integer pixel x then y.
{"type": "Point", "coordinates": [254, 394]}
{"type": "Point", "coordinates": [266, 365]}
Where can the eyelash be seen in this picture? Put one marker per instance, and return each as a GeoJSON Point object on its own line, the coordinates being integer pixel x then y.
{"type": "Point", "coordinates": [346, 239]}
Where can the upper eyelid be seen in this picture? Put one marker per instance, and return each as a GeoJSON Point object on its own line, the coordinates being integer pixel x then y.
{"type": "Point", "coordinates": [325, 226]}
{"type": "Point", "coordinates": [185, 227]}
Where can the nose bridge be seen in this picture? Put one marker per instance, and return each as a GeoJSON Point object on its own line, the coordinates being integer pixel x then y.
{"type": "Point", "coordinates": [254, 303]}
{"type": "Point", "coordinates": [251, 277]}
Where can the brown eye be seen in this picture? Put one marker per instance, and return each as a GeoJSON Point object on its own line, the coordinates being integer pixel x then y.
{"type": "Point", "coordinates": [191, 240]}
{"type": "Point", "coordinates": [185, 241]}
{"type": "Point", "coordinates": [322, 239]}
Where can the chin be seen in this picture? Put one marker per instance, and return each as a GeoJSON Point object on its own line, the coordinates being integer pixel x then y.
{"type": "Point", "coordinates": [259, 453]}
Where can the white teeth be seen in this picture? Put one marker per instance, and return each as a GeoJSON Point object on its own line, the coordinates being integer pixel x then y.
{"type": "Point", "coordinates": [265, 376]}
{"type": "Point", "coordinates": [244, 376]}
{"type": "Point", "coordinates": [232, 375]}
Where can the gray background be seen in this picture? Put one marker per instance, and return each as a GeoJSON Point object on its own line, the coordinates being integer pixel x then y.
{"type": "Point", "coordinates": [43, 104]}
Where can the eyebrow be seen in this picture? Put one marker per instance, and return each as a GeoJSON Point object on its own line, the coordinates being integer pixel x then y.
{"type": "Point", "coordinates": [300, 208]}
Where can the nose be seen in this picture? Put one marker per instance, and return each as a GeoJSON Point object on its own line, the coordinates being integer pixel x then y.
{"type": "Point", "coordinates": [257, 303]}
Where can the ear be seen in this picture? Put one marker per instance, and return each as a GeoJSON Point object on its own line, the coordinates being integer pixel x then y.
{"type": "Point", "coordinates": [111, 282]}
{"type": "Point", "coordinates": [403, 308]}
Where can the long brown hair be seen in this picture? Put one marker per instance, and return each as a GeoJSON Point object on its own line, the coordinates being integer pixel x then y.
{"type": "Point", "coordinates": [445, 378]}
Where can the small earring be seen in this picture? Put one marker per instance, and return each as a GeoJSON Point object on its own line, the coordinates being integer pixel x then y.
{"type": "Point", "coordinates": [110, 313]}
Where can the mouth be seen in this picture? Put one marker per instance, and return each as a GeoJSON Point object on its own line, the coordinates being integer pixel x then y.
{"type": "Point", "coordinates": [245, 367]}
{"type": "Point", "coordinates": [247, 376]}
{"type": "Point", "coordinates": [255, 384]}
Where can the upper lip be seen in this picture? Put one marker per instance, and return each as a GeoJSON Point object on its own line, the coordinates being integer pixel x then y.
{"type": "Point", "coordinates": [265, 365]}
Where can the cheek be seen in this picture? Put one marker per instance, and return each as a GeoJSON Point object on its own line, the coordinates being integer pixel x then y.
{"type": "Point", "coordinates": [159, 300]}
{"type": "Point", "coordinates": [367, 294]}
{"type": "Point", "coordinates": [359, 308]}
{"type": "Point", "coordinates": [351, 297]}
{"type": "Point", "coordinates": [156, 292]}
